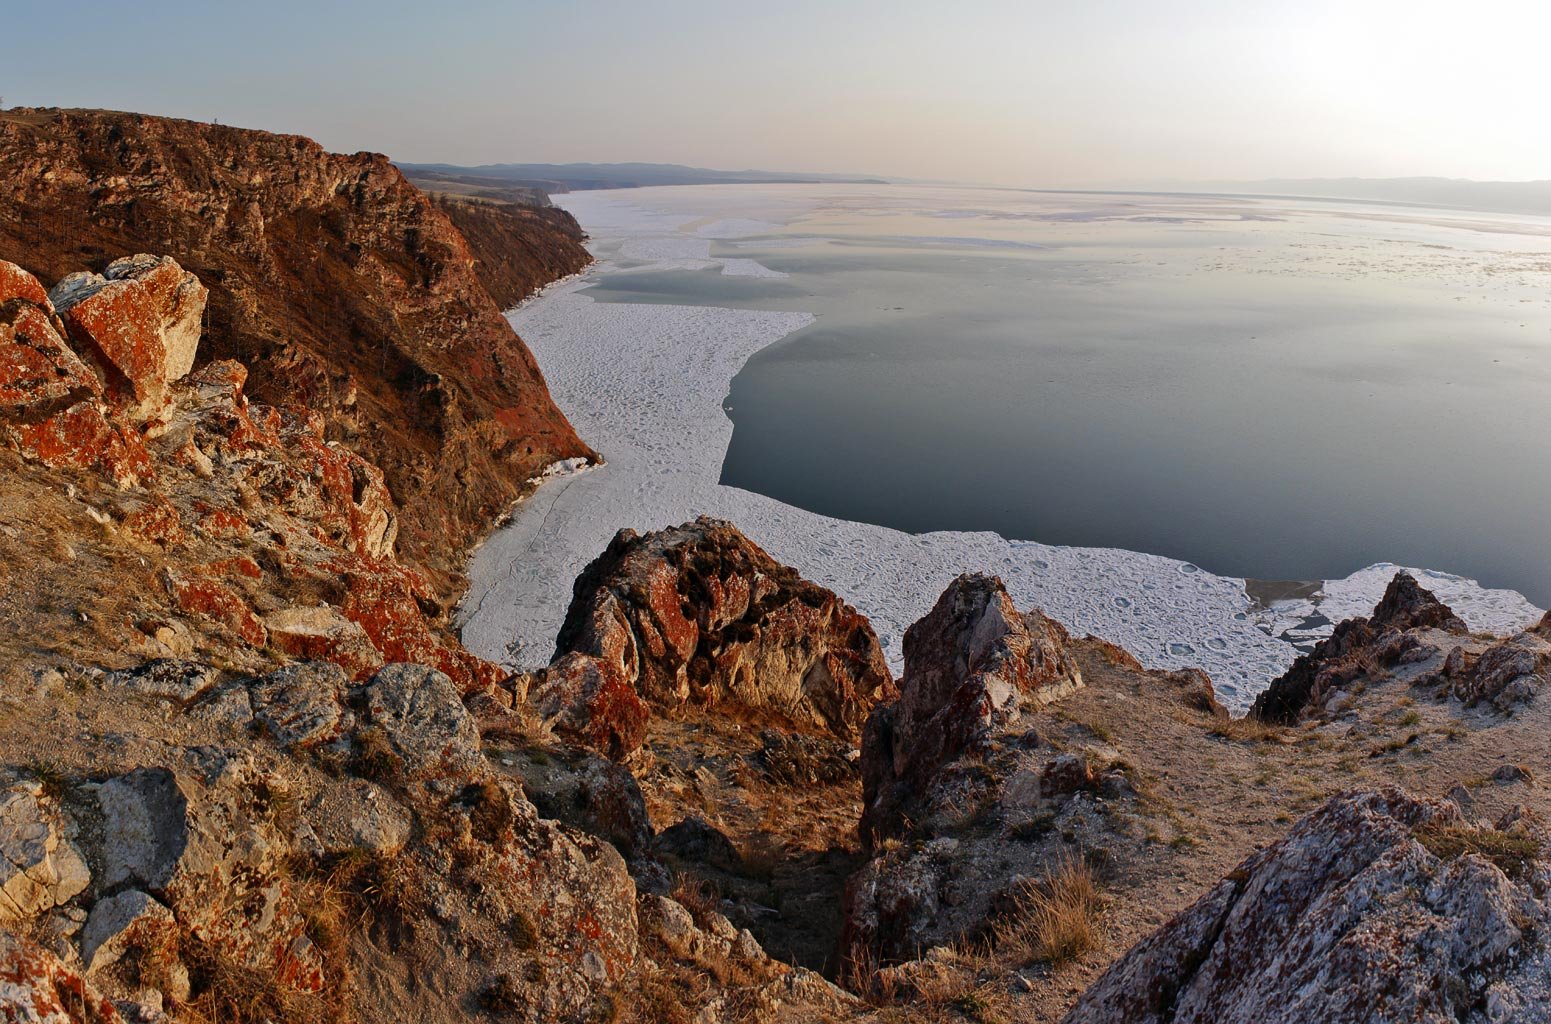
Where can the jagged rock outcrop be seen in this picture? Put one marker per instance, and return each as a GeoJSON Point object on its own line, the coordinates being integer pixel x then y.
{"type": "Point", "coordinates": [973, 666]}
{"type": "Point", "coordinates": [1410, 627]}
{"type": "Point", "coordinates": [699, 615]}
{"type": "Point", "coordinates": [1378, 907]}
{"type": "Point", "coordinates": [1340, 658]}
{"type": "Point", "coordinates": [344, 290]}
{"type": "Point", "coordinates": [52, 404]}
{"type": "Point", "coordinates": [140, 320]}
{"type": "Point", "coordinates": [959, 767]}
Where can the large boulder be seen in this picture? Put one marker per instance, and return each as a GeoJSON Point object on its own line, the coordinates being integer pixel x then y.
{"type": "Point", "coordinates": [421, 716]}
{"type": "Point", "coordinates": [974, 666]}
{"type": "Point", "coordinates": [1380, 906]}
{"type": "Point", "coordinates": [181, 835]}
{"type": "Point", "coordinates": [1510, 672]}
{"type": "Point", "coordinates": [141, 320]}
{"type": "Point", "coordinates": [700, 615]}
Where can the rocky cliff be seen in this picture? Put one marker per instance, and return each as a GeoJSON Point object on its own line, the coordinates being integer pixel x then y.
{"type": "Point", "coordinates": [517, 248]}
{"type": "Point", "coordinates": [341, 288]}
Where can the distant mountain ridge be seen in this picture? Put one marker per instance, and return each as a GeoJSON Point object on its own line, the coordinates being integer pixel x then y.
{"type": "Point", "coordinates": [1523, 197]}
{"type": "Point", "coordinates": [552, 178]}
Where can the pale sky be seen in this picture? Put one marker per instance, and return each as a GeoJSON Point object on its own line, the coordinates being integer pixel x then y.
{"type": "Point", "coordinates": [1017, 93]}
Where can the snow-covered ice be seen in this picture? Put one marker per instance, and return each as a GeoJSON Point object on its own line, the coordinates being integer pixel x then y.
{"type": "Point", "coordinates": [644, 385]}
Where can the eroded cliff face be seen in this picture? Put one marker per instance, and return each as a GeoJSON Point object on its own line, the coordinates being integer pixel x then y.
{"type": "Point", "coordinates": [340, 287]}
{"type": "Point", "coordinates": [518, 249]}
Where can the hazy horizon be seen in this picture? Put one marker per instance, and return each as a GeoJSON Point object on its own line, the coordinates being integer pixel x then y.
{"type": "Point", "coordinates": [1019, 94]}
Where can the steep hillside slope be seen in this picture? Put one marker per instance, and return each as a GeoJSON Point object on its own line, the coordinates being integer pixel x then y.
{"type": "Point", "coordinates": [339, 285]}
{"type": "Point", "coordinates": [519, 249]}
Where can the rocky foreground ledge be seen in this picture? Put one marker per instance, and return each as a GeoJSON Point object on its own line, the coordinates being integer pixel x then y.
{"type": "Point", "coordinates": [189, 842]}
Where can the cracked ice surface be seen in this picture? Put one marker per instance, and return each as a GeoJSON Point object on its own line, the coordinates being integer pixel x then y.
{"type": "Point", "coordinates": [644, 385]}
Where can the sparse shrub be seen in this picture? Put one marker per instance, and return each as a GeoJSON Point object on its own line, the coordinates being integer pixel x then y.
{"type": "Point", "coordinates": [1245, 730]}
{"type": "Point", "coordinates": [50, 776]}
{"type": "Point", "coordinates": [1032, 828]}
{"type": "Point", "coordinates": [490, 812]}
{"type": "Point", "coordinates": [375, 757]}
{"type": "Point", "coordinates": [524, 934]}
{"type": "Point", "coordinates": [1513, 854]}
{"type": "Point", "coordinates": [383, 889]}
{"type": "Point", "coordinates": [696, 895]}
{"type": "Point", "coordinates": [1054, 920]}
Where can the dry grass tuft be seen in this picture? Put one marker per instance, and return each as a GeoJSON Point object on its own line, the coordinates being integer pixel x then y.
{"type": "Point", "coordinates": [1247, 730]}
{"type": "Point", "coordinates": [1513, 854]}
{"type": "Point", "coordinates": [1055, 920]}
{"type": "Point", "coordinates": [230, 993]}
{"type": "Point", "coordinates": [696, 895]}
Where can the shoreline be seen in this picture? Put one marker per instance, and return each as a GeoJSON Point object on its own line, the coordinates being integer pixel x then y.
{"type": "Point", "coordinates": [645, 385]}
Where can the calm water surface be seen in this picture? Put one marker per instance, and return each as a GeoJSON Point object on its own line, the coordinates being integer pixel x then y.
{"type": "Point", "coordinates": [1266, 388]}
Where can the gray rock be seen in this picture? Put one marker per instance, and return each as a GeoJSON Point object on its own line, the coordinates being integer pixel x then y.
{"type": "Point", "coordinates": [144, 831]}
{"type": "Point", "coordinates": [39, 867]}
{"type": "Point", "coordinates": [300, 705]}
{"type": "Point", "coordinates": [228, 706]}
{"type": "Point", "coordinates": [423, 718]}
{"type": "Point", "coordinates": [1377, 907]}
{"type": "Point", "coordinates": [118, 923]}
{"type": "Point", "coordinates": [166, 678]}
{"type": "Point", "coordinates": [358, 815]}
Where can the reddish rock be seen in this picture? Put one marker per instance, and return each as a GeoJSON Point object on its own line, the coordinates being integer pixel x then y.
{"type": "Point", "coordinates": [81, 437]}
{"type": "Point", "coordinates": [341, 286]}
{"type": "Point", "coordinates": [321, 633]}
{"type": "Point", "coordinates": [699, 615]}
{"type": "Point", "coordinates": [201, 592]}
{"type": "Point", "coordinates": [588, 700]}
{"type": "Point", "coordinates": [16, 283]}
{"type": "Point", "coordinates": [36, 986]}
{"type": "Point", "coordinates": [141, 321]}
{"type": "Point", "coordinates": [221, 522]}
{"type": "Point", "coordinates": [384, 599]}
{"type": "Point", "coordinates": [49, 400]}
{"type": "Point", "coordinates": [973, 665]}
{"type": "Point", "coordinates": [37, 368]}
{"type": "Point", "coordinates": [156, 522]}
{"type": "Point", "coordinates": [1373, 908]}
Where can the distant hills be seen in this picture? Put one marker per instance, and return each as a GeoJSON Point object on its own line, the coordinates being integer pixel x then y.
{"type": "Point", "coordinates": [1524, 197]}
{"type": "Point", "coordinates": [553, 178]}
